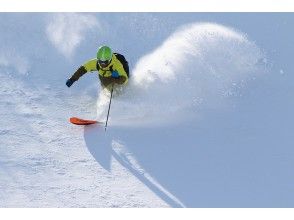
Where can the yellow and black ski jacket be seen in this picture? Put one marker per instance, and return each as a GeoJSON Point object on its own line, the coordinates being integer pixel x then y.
{"type": "Point", "coordinates": [103, 73]}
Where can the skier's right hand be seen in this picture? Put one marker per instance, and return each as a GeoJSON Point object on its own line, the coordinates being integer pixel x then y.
{"type": "Point", "coordinates": [69, 82]}
{"type": "Point", "coordinates": [114, 74]}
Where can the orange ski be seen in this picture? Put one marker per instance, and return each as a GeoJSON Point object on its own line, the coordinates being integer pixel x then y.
{"type": "Point", "coordinates": [79, 121]}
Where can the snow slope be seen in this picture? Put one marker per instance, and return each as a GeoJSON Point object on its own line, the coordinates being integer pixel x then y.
{"type": "Point", "coordinates": [204, 122]}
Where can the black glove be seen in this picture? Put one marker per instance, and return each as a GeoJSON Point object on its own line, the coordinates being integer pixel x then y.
{"type": "Point", "coordinates": [69, 82]}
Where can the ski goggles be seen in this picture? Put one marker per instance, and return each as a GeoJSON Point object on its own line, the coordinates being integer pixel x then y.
{"type": "Point", "coordinates": [104, 63]}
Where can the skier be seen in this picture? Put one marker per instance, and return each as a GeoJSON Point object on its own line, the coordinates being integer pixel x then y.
{"type": "Point", "coordinates": [112, 68]}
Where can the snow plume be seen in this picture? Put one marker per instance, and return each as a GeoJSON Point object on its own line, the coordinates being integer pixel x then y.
{"type": "Point", "coordinates": [198, 66]}
{"type": "Point", "coordinates": [66, 31]}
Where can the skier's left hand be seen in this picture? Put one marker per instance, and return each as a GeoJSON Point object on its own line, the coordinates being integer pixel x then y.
{"type": "Point", "coordinates": [69, 82]}
{"type": "Point", "coordinates": [114, 74]}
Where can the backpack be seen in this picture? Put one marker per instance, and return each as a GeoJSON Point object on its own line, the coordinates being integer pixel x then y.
{"type": "Point", "coordinates": [123, 61]}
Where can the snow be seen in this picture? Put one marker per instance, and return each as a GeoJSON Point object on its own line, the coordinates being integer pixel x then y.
{"type": "Point", "coordinates": [200, 61]}
{"type": "Point", "coordinates": [205, 121]}
{"type": "Point", "coordinates": [70, 27]}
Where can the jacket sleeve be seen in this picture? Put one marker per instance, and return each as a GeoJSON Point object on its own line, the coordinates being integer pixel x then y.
{"type": "Point", "coordinates": [86, 67]}
{"type": "Point", "coordinates": [81, 71]}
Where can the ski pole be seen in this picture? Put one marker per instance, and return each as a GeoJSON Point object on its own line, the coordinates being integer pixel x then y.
{"type": "Point", "coordinates": [109, 106]}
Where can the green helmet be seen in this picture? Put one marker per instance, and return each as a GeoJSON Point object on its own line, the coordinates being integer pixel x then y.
{"type": "Point", "coordinates": [104, 53]}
